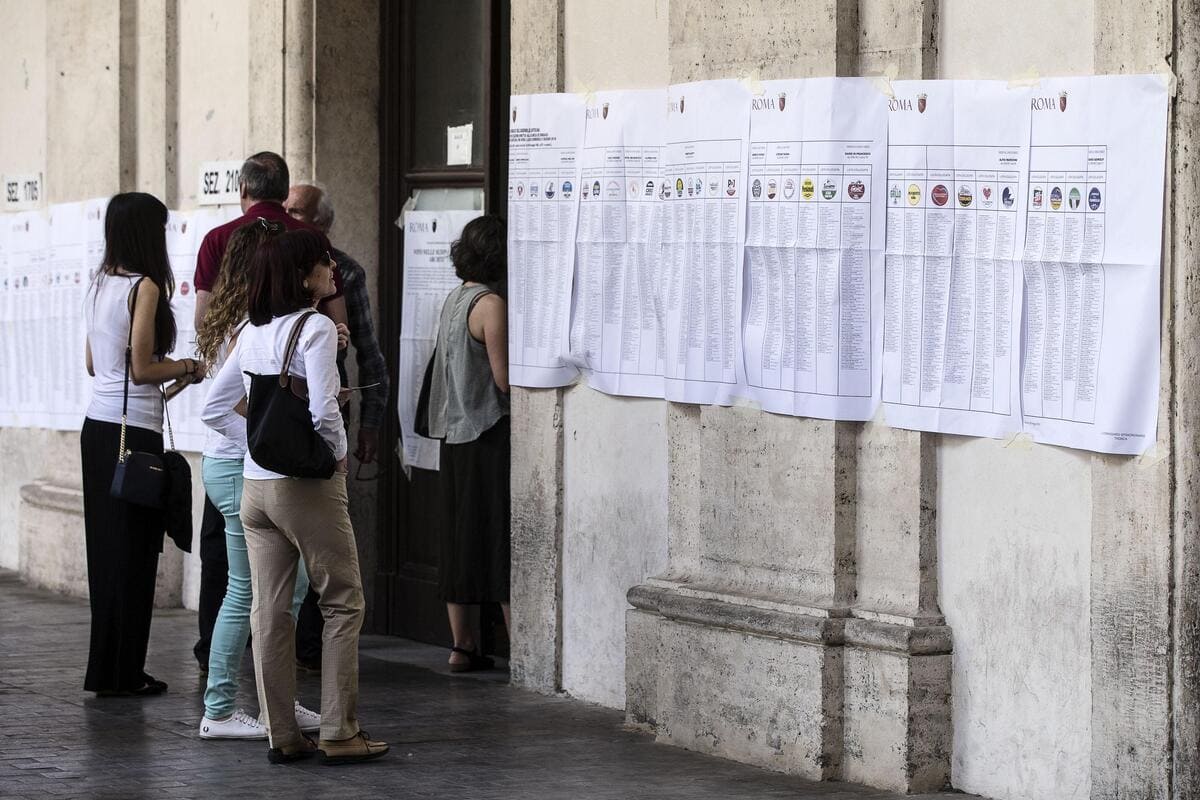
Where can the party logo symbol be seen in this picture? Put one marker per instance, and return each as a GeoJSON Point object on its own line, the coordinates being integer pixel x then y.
{"type": "Point", "coordinates": [731, 187]}
{"type": "Point", "coordinates": [690, 190]}
{"type": "Point", "coordinates": [856, 190]}
{"type": "Point", "coordinates": [520, 190]}
{"type": "Point", "coordinates": [699, 187]}
{"type": "Point", "coordinates": [514, 114]}
{"type": "Point", "coordinates": [649, 188]}
{"type": "Point", "coordinates": [807, 189]}
{"type": "Point", "coordinates": [1007, 197]}
{"type": "Point", "coordinates": [1062, 101]}
{"type": "Point", "coordinates": [567, 189]}
{"type": "Point", "coordinates": [1074, 198]}
{"type": "Point", "coordinates": [1056, 198]}
{"type": "Point", "coordinates": [914, 194]}
{"type": "Point", "coordinates": [829, 189]}
{"type": "Point", "coordinates": [921, 103]}
{"type": "Point", "coordinates": [986, 191]}
{"type": "Point", "coordinates": [550, 190]}
{"type": "Point", "coordinates": [633, 188]}
{"type": "Point", "coordinates": [713, 185]}
{"type": "Point", "coordinates": [510, 191]}
{"type": "Point", "coordinates": [772, 189]}
{"type": "Point", "coordinates": [789, 188]}
{"type": "Point", "coordinates": [604, 111]}
{"type": "Point", "coordinates": [782, 100]}
{"type": "Point", "coordinates": [1037, 197]}
{"type": "Point", "coordinates": [680, 104]}
{"type": "Point", "coordinates": [185, 289]}
{"type": "Point", "coordinates": [1094, 198]}
{"type": "Point", "coordinates": [679, 187]}
{"type": "Point", "coordinates": [965, 196]}
{"type": "Point", "coordinates": [756, 189]}
{"type": "Point", "coordinates": [533, 189]}
{"type": "Point", "coordinates": [595, 188]}
{"type": "Point", "coordinates": [612, 190]}
{"type": "Point", "coordinates": [894, 194]}
{"type": "Point", "coordinates": [940, 195]}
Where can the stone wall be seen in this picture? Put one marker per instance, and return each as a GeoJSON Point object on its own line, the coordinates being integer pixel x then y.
{"type": "Point", "coordinates": [137, 95]}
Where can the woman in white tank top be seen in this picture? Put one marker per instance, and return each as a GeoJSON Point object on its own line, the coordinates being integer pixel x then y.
{"type": "Point", "coordinates": [132, 287]}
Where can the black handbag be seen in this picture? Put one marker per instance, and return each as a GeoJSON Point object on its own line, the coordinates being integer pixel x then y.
{"type": "Point", "coordinates": [152, 480]}
{"type": "Point", "coordinates": [279, 427]}
{"type": "Point", "coordinates": [421, 418]}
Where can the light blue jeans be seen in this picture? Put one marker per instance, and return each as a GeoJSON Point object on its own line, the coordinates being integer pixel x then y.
{"type": "Point", "coordinates": [223, 484]}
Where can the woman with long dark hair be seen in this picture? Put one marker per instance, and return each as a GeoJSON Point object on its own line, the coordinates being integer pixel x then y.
{"type": "Point", "coordinates": [468, 411]}
{"type": "Point", "coordinates": [132, 288]}
{"type": "Point", "coordinates": [286, 518]}
{"type": "Point", "coordinates": [224, 463]}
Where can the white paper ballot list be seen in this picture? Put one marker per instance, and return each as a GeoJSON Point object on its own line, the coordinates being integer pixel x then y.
{"type": "Point", "coordinates": [814, 247]}
{"type": "Point", "coordinates": [704, 231]}
{"type": "Point", "coordinates": [957, 162]}
{"type": "Point", "coordinates": [1090, 377]}
{"type": "Point", "coordinates": [544, 142]}
{"type": "Point", "coordinates": [617, 335]}
{"type": "Point", "coordinates": [428, 278]}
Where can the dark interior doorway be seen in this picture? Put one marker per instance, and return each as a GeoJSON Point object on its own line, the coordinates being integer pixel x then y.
{"type": "Point", "coordinates": [443, 63]}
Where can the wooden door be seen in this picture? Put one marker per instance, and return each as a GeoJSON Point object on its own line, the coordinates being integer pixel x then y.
{"type": "Point", "coordinates": [443, 63]}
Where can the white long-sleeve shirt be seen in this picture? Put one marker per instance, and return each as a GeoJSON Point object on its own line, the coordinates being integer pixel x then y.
{"type": "Point", "coordinates": [260, 350]}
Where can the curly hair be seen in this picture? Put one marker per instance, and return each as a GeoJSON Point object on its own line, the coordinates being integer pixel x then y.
{"type": "Point", "coordinates": [229, 302]}
{"type": "Point", "coordinates": [479, 254]}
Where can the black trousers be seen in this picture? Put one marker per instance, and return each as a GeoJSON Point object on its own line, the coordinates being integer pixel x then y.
{"type": "Point", "coordinates": [123, 543]}
{"type": "Point", "coordinates": [214, 576]}
{"type": "Point", "coordinates": [310, 626]}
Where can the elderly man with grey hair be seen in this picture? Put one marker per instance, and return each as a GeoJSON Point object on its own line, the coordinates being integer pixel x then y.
{"type": "Point", "coordinates": [311, 203]}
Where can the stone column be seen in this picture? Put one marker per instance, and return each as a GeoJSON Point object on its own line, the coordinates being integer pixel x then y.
{"type": "Point", "coordinates": [898, 730]}
{"type": "Point", "coordinates": [751, 610]}
{"type": "Point", "coordinates": [537, 443]}
{"type": "Point", "coordinates": [1182, 303]}
{"type": "Point", "coordinates": [1131, 498]}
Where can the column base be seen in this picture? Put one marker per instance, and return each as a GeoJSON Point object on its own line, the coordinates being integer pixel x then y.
{"type": "Point", "coordinates": [799, 690]}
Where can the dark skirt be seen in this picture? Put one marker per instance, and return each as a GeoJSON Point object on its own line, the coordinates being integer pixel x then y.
{"type": "Point", "coordinates": [123, 543]}
{"type": "Point", "coordinates": [475, 544]}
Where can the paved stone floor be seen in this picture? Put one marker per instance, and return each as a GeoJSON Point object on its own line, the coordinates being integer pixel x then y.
{"type": "Point", "coordinates": [452, 737]}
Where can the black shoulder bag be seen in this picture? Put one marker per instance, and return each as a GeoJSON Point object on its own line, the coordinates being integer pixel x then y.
{"type": "Point", "coordinates": [148, 479]}
{"type": "Point", "coordinates": [279, 427]}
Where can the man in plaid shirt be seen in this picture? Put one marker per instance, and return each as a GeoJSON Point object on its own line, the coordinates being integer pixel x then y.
{"type": "Point", "coordinates": [309, 203]}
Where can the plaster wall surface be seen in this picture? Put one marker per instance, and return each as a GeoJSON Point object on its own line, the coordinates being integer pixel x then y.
{"type": "Point", "coordinates": [978, 39]}
{"type": "Point", "coordinates": [614, 448]}
{"type": "Point", "coordinates": [614, 531]}
{"type": "Point", "coordinates": [1015, 520]}
{"type": "Point", "coordinates": [23, 149]}
{"type": "Point", "coordinates": [23, 88]}
{"type": "Point", "coordinates": [212, 89]}
{"type": "Point", "coordinates": [1015, 553]}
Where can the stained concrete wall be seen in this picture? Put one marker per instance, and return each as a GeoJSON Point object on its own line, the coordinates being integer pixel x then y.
{"type": "Point", "coordinates": [1045, 562]}
{"type": "Point", "coordinates": [22, 149]}
{"type": "Point", "coordinates": [614, 448]}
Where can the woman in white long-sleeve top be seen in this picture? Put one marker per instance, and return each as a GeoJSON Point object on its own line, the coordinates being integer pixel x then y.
{"type": "Point", "coordinates": [289, 518]}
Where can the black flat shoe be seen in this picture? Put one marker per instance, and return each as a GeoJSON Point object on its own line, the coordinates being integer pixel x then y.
{"type": "Point", "coordinates": [474, 662]}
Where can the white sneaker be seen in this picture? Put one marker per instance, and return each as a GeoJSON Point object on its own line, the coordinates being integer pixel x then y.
{"type": "Point", "coordinates": [238, 726]}
{"type": "Point", "coordinates": [308, 721]}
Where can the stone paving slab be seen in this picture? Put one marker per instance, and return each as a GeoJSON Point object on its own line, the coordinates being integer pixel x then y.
{"type": "Point", "coordinates": [467, 736]}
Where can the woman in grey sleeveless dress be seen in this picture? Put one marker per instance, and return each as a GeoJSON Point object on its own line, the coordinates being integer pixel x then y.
{"type": "Point", "coordinates": [468, 410]}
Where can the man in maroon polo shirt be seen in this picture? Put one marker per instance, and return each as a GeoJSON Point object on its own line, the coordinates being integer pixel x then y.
{"type": "Point", "coordinates": [264, 186]}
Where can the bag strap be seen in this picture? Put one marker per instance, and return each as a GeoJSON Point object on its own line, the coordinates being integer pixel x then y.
{"type": "Point", "coordinates": [476, 299]}
{"type": "Point", "coordinates": [290, 350]}
{"type": "Point", "coordinates": [132, 303]}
